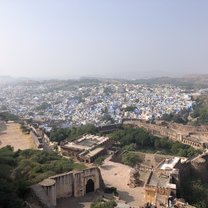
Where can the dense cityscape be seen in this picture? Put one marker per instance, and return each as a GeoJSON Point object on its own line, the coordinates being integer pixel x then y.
{"type": "Point", "coordinates": [99, 103]}
{"type": "Point", "coordinates": [153, 136]}
{"type": "Point", "coordinates": [103, 104]}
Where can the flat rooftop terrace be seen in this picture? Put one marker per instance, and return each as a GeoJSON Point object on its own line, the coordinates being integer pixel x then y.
{"type": "Point", "coordinates": [169, 163]}
{"type": "Point", "coordinates": [95, 152]}
{"type": "Point", "coordinates": [86, 142]}
{"type": "Point", "coordinates": [90, 140]}
{"type": "Point", "coordinates": [158, 180]}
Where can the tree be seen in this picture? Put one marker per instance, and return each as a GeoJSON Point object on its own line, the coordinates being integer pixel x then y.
{"type": "Point", "coordinates": [130, 147]}
{"type": "Point", "coordinates": [132, 139]}
{"type": "Point", "coordinates": [130, 158]}
{"type": "Point", "coordinates": [72, 133]}
{"type": "Point", "coordinates": [167, 117]}
{"type": "Point", "coordinates": [6, 116]}
{"type": "Point", "coordinates": [20, 169]}
{"type": "Point", "coordinates": [100, 203]}
{"type": "Point", "coordinates": [108, 118]}
{"type": "Point", "coordinates": [200, 110]}
{"type": "Point", "coordinates": [195, 191]}
{"type": "Point", "coordinates": [43, 106]}
{"type": "Point", "coordinates": [130, 108]}
{"type": "Point", "coordinates": [99, 161]}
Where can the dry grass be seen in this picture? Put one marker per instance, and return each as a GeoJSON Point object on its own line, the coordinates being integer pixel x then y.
{"type": "Point", "coordinates": [13, 136]}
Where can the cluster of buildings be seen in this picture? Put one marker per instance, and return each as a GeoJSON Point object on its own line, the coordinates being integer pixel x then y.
{"type": "Point", "coordinates": [99, 103]}
{"type": "Point", "coordinates": [161, 187]}
{"type": "Point", "coordinates": [163, 183]}
{"type": "Point", "coordinates": [104, 103]}
{"type": "Point", "coordinates": [87, 148]}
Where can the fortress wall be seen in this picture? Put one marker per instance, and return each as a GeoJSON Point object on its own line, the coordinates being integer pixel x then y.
{"type": "Point", "coordinates": [116, 156]}
{"type": "Point", "coordinates": [51, 192]}
{"type": "Point", "coordinates": [173, 131]}
{"type": "Point", "coordinates": [38, 195]}
{"type": "Point", "coordinates": [3, 126]}
{"type": "Point", "coordinates": [67, 185]}
{"type": "Point", "coordinates": [49, 186]}
{"type": "Point", "coordinates": [184, 170]}
{"type": "Point", "coordinates": [33, 129]}
{"type": "Point", "coordinates": [199, 166]}
{"type": "Point", "coordinates": [79, 189]}
{"type": "Point", "coordinates": [46, 138]}
{"type": "Point", "coordinates": [195, 144]}
{"type": "Point", "coordinates": [92, 173]}
{"type": "Point", "coordinates": [81, 178]}
{"type": "Point", "coordinates": [35, 139]}
{"type": "Point", "coordinates": [64, 185]}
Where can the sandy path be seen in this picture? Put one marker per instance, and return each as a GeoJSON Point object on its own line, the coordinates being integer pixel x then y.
{"type": "Point", "coordinates": [13, 136]}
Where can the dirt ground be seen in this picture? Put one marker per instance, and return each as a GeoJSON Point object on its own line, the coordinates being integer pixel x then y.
{"type": "Point", "coordinates": [117, 175]}
{"type": "Point", "coordinates": [13, 136]}
{"type": "Point", "coordinates": [86, 201]}
{"type": "Point", "coordinates": [82, 202]}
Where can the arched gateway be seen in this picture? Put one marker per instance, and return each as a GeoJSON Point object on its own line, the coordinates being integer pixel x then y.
{"type": "Point", "coordinates": [90, 186]}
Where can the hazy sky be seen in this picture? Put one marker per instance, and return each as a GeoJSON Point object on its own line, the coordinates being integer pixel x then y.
{"type": "Point", "coordinates": [111, 38]}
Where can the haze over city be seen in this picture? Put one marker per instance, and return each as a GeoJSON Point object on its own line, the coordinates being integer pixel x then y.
{"type": "Point", "coordinates": [103, 104]}
{"type": "Point", "coordinates": [113, 39]}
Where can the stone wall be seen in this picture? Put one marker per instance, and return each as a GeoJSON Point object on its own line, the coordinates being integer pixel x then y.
{"type": "Point", "coordinates": [82, 178]}
{"type": "Point", "coordinates": [36, 139]}
{"type": "Point", "coordinates": [196, 137]}
{"type": "Point", "coordinates": [64, 184]}
{"type": "Point", "coordinates": [49, 186]}
{"type": "Point", "coordinates": [3, 126]}
{"type": "Point", "coordinates": [39, 197]}
{"type": "Point", "coordinates": [199, 167]}
{"type": "Point", "coordinates": [69, 184]}
{"type": "Point", "coordinates": [116, 156]}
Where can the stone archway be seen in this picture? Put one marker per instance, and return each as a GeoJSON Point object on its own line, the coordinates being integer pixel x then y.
{"type": "Point", "coordinates": [90, 186]}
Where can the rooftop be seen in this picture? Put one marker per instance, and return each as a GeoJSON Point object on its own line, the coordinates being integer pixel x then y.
{"type": "Point", "coordinates": [94, 152]}
{"type": "Point", "coordinates": [86, 142]}
{"type": "Point", "coordinates": [158, 180]}
{"type": "Point", "coordinates": [169, 164]}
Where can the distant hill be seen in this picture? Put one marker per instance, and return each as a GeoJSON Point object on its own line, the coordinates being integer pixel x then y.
{"type": "Point", "coordinates": [9, 79]}
{"type": "Point", "coordinates": [6, 79]}
{"type": "Point", "coordinates": [190, 81]}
